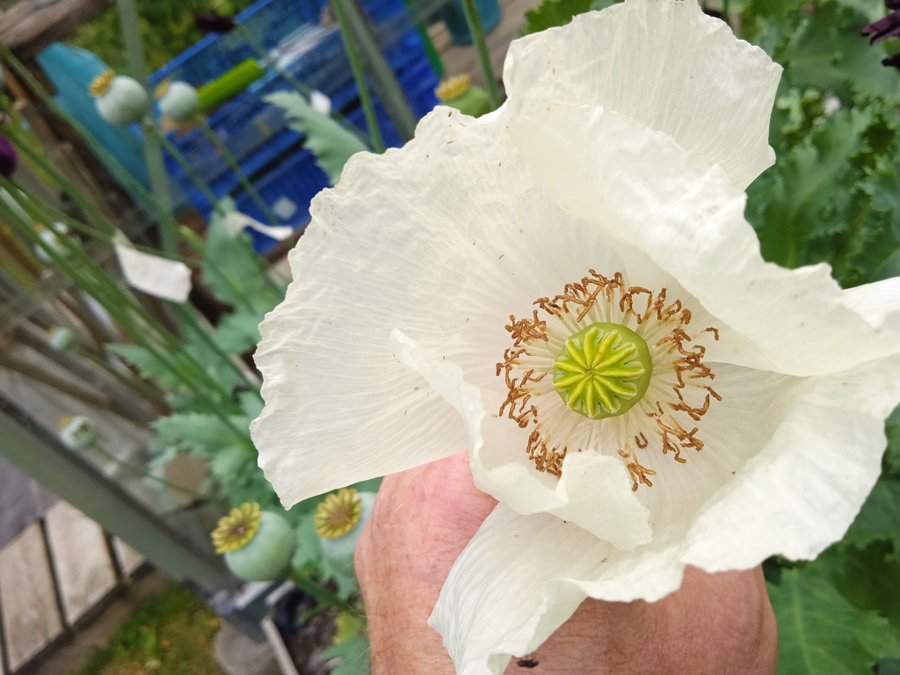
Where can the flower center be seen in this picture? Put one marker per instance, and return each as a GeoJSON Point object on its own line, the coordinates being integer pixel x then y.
{"type": "Point", "coordinates": [608, 367]}
{"type": "Point", "coordinates": [238, 528]}
{"type": "Point", "coordinates": [602, 370]}
{"type": "Point", "coordinates": [338, 513]}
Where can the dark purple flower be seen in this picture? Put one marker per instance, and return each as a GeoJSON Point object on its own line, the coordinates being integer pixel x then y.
{"type": "Point", "coordinates": [892, 61]}
{"type": "Point", "coordinates": [892, 4]}
{"type": "Point", "coordinates": [211, 22]}
{"type": "Point", "coordinates": [884, 28]}
{"type": "Point", "coordinates": [9, 158]}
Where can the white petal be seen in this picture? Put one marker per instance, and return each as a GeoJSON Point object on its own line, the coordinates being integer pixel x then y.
{"type": "Point", "coordinates": [665, 64]}
{"type": "Point", "coordinates": [513, 585]}
{"type": "Point", "coordinates": [648, 195]}
{"type": "Point", "coordinates": [878, 303]}
{"type": "Point", "coordinates": [152, 274]}
{"type": "Point", "coordinates": [803, 489]}
{"type": "Point", "coordinates": [382, 252]}
{"type": "Point", "coordinates": [594, 491]}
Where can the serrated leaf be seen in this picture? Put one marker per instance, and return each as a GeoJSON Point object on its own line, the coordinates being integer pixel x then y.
{"type": "Point", "coordinates": [231, 267]}
{"type": "Point", "coordinates": [200, 432]}
{"type": "Point", "coordinates": [251, 404]}
{"type": "Point", "coordinates": [820, 631]}
{"type": "Point", "coordinates": [331, 143]}
{"type": "Point", "coordinates": [237, 333]}
{"type": "Point", "coordinates": [150, 365]}
{"type": "Point", "coordinates": [796, 203]}
{"type": "Point", "coordinates": [228, 462]}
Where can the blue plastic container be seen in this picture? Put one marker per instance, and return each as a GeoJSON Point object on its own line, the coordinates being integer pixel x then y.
{"type": "Point", "coordinates": [271, 154]}
{"type": "Point", "coordinates": [289, 184]}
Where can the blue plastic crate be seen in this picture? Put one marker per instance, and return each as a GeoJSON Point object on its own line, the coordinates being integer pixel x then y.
{"type": "Point", "coordinates": [287, 191]}
{"type": "Point", "coordinates": [291, 183]}
{"type": "Point", "coordinates": [268, 21]}
{"type": "Point", "coordinates": [258, 134]}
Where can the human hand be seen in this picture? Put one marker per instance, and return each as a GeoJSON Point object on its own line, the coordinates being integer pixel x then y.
{"type": "Point", "coordinates": [424, 517]}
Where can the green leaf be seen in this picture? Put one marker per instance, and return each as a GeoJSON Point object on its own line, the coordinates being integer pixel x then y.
{"type": "Point", "coordinates": [199, 432]}
{"type": "Point", "coordinates": [151, 366]}
{"type": "Point", "coordinates": [232, 269]}
{"type": "Point", "coordinates": [237, 333]}
{"type": "Point", "coordinates": [308, 551]}
{"type": "Point", "coordinates": [331, 143]}
{"type": "Point", "coordinates": [796, 202]}
{"type": "Point", "coordinates": [552, 13]}
{"type": "Point", "coordinates": [820, 47]}
{"type": "Point", "coordinates": [892, 454]}
{"type": "Point", "coordinates": [352, 656]}
{"type": "Point", "coordinates": [861, 575]}
{"type": "Point", "coordinates": [879, 518]}
{"type": "Point", "coordinates": [821, 631]}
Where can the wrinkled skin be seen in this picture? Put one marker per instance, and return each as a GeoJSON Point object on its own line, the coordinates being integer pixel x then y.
{"type": "Point", "coordinates": [423, 518]}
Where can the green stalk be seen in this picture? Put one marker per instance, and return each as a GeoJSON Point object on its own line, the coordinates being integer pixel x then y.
{"type": "Point", "coordinates": [481, 46]}
{"type": "Point", "coordinates": [93, 280]}
{"type": "Point", "coordinates": [135, 185]}
{"type": "Point", "coordinates": [141, 387]}
{"type": "Point", "coordinates": [235, 167]}
{"type": "Point", "coordinates": [89, 208]}
{"type": "Point", "coordinates": [298, 86]}
{"type": "Point", "coordinates": [96, 147]}
{"type": "Point", "coordinates": [323, 595]}
{"type": "Point", "coordinates": [359, 76]}
{"type": "Point", "coordinates": [184, 162]}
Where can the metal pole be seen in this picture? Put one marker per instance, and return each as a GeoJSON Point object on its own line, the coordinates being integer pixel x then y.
{"type": "Point", "coordinates": [71, 477]}
{"type": "Point", "coordinates": [137, 67]}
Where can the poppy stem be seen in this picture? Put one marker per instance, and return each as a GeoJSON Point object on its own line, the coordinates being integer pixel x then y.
{"type": "Point", "coordinates": [481, 46]}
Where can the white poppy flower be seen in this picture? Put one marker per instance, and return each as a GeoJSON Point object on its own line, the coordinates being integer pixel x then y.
{"type": "Point", "coordinates": [568, 288]}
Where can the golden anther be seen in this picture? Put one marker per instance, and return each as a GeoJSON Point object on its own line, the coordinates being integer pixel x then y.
{"type": "Point", "coordinates": [101, 83]}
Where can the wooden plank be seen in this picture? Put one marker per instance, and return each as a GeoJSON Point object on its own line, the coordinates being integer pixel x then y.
{"type": "Point", "coordinates": [81, 559]}
{"type": "Point", "coordinates": [129, 559]}
{"type": "Point", "coordinates": [27, 28]}
{"type": "Point", "coordinates": [30, 615]}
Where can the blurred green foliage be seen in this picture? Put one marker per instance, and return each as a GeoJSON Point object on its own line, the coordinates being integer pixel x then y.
{"type": "Point", "coordinates": [171, 633]}
{"type": "Point", "coordinates": [167, 29]}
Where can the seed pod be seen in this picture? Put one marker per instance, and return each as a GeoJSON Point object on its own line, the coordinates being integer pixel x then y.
{"type": "Point", "coordinates": [120, 100]}
{"type": "Point", "coordinates": [178, 101]}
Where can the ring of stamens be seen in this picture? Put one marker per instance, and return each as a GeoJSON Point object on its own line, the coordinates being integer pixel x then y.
{"type": "Point", "coordinates": [662, 410]}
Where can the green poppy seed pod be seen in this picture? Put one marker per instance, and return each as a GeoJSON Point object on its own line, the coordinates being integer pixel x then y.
{"type": "Point", "coordinates": [120, 100]}
{"type": "Point", "coordinates": [61, 338]}
{"type": "Point", "coordinates": [339, 550]}
{"type": "Point", "coordinates": [77, 432]}
{"type": "Point", "coordinates": [178, 101]}
{"type": "Point", "coordinates": [268, 554]}
{"type": "Point", "coordinates": [458, 92]}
